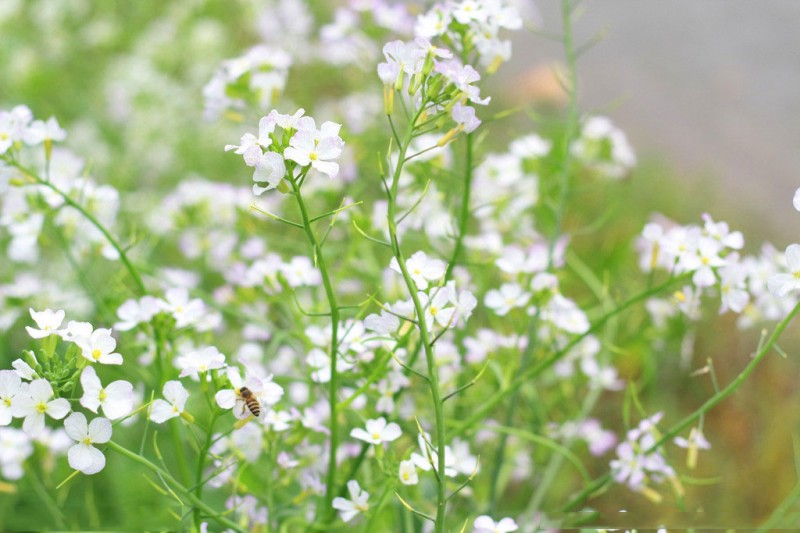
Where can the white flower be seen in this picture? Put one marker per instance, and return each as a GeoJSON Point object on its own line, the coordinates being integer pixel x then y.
{"type": "Point", "coordinates": [781, 285]}
{"type": "Point", "coordinates": [10, 384]}
{"type": "Point", "coordinates": [356, 504]}
{"type": "Point", "coordinates": [377, 432]}
{"type": "Point", "coordinates": [270, 169]}
{"type": "Point", "coordinates": [316, 147]}
{"type": "Point", "coordinates": [135, 312]}
{"type": "Point", "coordinates": [15, 448]}
{"type": "Point", "coordinates": [23, 369]}
{"type": "Point", "coordinates": [184, 311]}
{"type": "Point", "coordinates": [277, 420]}
{"type": "Point", "coordinates": [99, 348]}
{"type": "Point", "coordinates": [320, 364]}
{"type": "Point", "coordinates": [76, 331]}
{"type": "Point", "coordinates": [421, 269]}
{"type": "Point", "coordinates": [203, 360]}
{"type": "Point", "coordinates": [733, 288]}
{"type": "Point", "coordinates": [465, 115]}
{"type": "Point", "coordinates": [438, 308]}
{"type": "Point", "coordinates": [383, 324]}
{"type": "Point", "coordinates": [509, 296]}
{"type": "Point", "coordinates": [116, 398]}
{"type": "Point", "coordinates": [263, 389]}
{"type": "Point", "coordinates": [430, 457]}
{"type": "Point", "coordinates": [485, 524]}
{"type": "Point", "coordinates": [408, 473]}
{"type": "Point", "coordinates": [175, 401]}
{"type": "Point", "coordinates": [83, 456]}
{"type": "Point", "coordinates": [40, 131]}
{"type": "Point", "coordinates": [48, 322]}
{"type": "Point", "coordinates": [33, 401]}
{"type": "Point", "coordinates": [251, 146]}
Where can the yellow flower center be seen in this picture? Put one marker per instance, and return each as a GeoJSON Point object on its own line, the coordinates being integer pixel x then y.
{"type": "Point", "coordinates": [41, 407]}
{"type": "Point", "coordinates": [434, 310]}
{"type": "Point", "coordinates": [87, 441]}
{"type": "Point", "coordinates": [96, 354]}
{"type": "Point", "coordinates": [376, 436]}
{"type": "Point", "coordinates": [313, 156]}
{"type": "Point", "coordinates": [6, 402]}
{"type": "Point", "coordinates": [103, 394]}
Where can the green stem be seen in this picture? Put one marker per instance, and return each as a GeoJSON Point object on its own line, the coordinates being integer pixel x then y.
{"type": "Point", "coordinates": [319, 260]}
{"type": "Point", "coordinates": [709, 404]}
{"type": "Point", "coordinates": [92, 220]}
{"type": "Point", "coordinates": [463, 218]}
{"type": "Point", "coordinates": [425, 339]}
{"type": "Point", "coordinates": [201, 465]}
{"type": "Point", "coordinates": [188, 494]}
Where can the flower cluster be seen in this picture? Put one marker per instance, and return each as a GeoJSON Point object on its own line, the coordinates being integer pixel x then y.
{"type": "Point", "coordinates": [640, 462]}
{"type": "Point", "coordinates": [256, 78]}
{"type": "Point", "coordinates": [299, 143]}
{"type": "Point", "coordinates": [27, 202]}
{"type": "Point", "coordinates": [603, 149]}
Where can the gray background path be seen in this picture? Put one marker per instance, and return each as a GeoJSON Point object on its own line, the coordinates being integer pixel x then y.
{"type": "Point", "coordinates": [712, 86]}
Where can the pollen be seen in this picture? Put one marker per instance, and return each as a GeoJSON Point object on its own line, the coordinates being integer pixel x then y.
{"type": "Point", "coordinates": [41, 407]}
{"type": "Point", "coordinates": [96, 354]}
{"type": "Point", "coordinates": [313, 156]}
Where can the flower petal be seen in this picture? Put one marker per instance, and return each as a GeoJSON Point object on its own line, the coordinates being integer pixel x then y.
{"type": "Point", "coordinates": [58, 408]}
{"type": "Point", "coordinates": [100, 430]}
{"type": "Point", "coordinates": [162, 411]}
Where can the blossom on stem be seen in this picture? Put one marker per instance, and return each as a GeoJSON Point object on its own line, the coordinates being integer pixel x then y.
{"type": "Point", "coordinates": [116, 398]}
{"type": "Point", "coordinates": [47, 321]}
{"type": "Point", "coordinates": [32, 404]}
{"type": "Point", "coordinates": [83, 456]}
{"type": "Point", "coordinates": [408, 473]}
{"type": "Point", "coordinates": [377, 432]}
{"type": "Point", "coordinates": [10, 384]}
{"type": "Point", "coordinates": [202, 360]}
{"type": "Point", "coordinates": [263, 389]}
{"type": "Point", "coordinates": [782, 284]}
{"type": "Point", "coordinates": [357, 503]}
{"type": "Point", "coordinates": [317, 148]}
{"type": "Point", "coordinates": [173, 404]}
{"type": "Point", "coordinates": [421, 269]}
{"type": "Point", "coordinates": [99, 348]}
{"type": "Point", "coordinates": [485, 524]}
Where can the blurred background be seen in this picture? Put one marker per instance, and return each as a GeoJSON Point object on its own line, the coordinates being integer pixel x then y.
{"type": "Point", "coordinates": [707, 92]}
{"type": "Point", "coordinates": [710, 87]}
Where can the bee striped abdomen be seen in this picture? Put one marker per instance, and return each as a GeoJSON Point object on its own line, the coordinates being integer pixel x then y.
{"type": "Point", "coordinates": [250, 401]}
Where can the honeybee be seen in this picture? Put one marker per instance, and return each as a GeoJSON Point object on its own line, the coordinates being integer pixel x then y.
{"type": "Point", "coordinates": [250, 401]}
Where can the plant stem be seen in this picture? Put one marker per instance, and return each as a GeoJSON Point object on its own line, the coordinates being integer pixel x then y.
{"type": "Point", "coordinates": [92, 220]}
{"type": "Point", "coordinates": [319, 260]}
{"type": "Point", "coordinates": [433, 375]}
{"type": "Point", "coordinates": [189, 495]}
{"type": "Point", "coordinates": [463, 218]}
{"type": "Point", "coordinates": [201, 464]}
